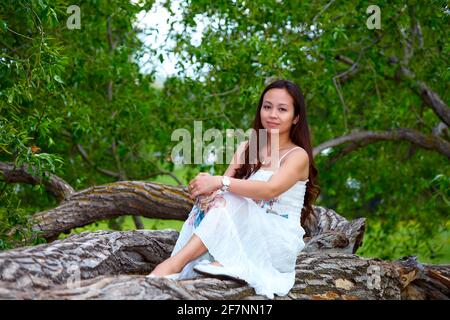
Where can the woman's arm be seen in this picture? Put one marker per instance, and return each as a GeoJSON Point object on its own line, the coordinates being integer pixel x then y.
{"type": "Point", "coordinates": [294, 167]}
{"type": "Point", "coordinates": [248, 187]}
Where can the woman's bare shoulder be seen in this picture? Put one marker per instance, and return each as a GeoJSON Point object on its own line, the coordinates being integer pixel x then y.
{"type": "Point", "coordinates": [299, 155]}
{"type": "Point", "coordinates": [298, 151]}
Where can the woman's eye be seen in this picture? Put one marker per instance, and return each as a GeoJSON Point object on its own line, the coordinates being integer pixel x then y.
{"type": "Point", "coordinates": [283, 109]}
{"type": "Point", "coordinates": [266, 107]}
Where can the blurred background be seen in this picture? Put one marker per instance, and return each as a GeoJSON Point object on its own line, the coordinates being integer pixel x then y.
{"type": "Point", "coordinates": [92, 91]}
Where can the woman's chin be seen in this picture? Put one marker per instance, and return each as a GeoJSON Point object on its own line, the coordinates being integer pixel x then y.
{"type": "Point", "coordinates": [272, 129]}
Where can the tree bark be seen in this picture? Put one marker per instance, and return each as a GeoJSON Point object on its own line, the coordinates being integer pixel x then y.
{"type": "Point", "coordinates": [160, 201]}
{"type": "Point", "coordinates": [363, 138]}
{"type": "Point", "coordinates": [53, 184]}
{"type": "Point", "coordinates": [113, 265]}
{"type": "Point", "coordinates": [332, 232]}
{"type": "Point", "coordinates": [432, 99]}
{"type": "Point", "coordinates": [152, 200]}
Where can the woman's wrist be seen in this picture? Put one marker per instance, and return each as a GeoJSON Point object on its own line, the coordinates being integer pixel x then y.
{"type": "Point", "coordinates": [218, 183]}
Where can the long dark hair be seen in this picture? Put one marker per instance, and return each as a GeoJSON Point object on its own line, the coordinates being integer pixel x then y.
{"type": "Point", "coordinates": [299, 134]}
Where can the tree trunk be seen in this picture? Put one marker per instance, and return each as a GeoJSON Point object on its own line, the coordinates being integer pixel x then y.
{"type": "Point", "coordinates": [113, 265]}
{"type": "Point", "coordinates": [154, 200]}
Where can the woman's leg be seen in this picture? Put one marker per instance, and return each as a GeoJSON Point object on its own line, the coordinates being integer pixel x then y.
{"type": "Point", "coordinates": [193, 249]}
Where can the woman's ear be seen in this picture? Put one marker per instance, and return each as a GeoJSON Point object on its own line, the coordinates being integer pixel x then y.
{"type": "Point", "coordinates": [296, 119]}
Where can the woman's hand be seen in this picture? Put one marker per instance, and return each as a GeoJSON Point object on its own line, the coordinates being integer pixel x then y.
{"type": "Point", "coordinates": [204, 184]}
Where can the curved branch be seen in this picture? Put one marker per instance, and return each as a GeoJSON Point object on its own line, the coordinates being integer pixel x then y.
{"type": "Point", "coordinates": [362, 138]}
{"type": "Point", "coordinates": [433, 100]}
{"type": "Point", "coordinates": [152, 200]}
{"type": "Point", "coordinates": [221, 94]}
{"type": "Point", "coordinates": [430, 97]}
{"type": "Point", "coordinates": [53, 184]}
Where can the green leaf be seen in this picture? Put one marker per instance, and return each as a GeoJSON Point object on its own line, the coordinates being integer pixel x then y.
{"type": "Point", "coordinates": [3, 25]}
{"type": "Point", "coordinates": [10, 97]}
{"type": "Point", "coordinates": [55, 16]}
{"type": "Point", "coordinates": [42, 4]}
{"type": "Point", "coordinates": [58, 79]}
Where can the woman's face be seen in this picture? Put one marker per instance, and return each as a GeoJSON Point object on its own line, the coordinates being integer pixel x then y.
{"type": "Point", "coordinates": [277, 110]}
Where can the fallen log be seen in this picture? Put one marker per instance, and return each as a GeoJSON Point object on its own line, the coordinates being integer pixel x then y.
{"type": "Point", "coordinates": [113, 265]}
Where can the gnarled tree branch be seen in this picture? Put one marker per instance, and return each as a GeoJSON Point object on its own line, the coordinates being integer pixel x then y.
{"type": "Point", "coordinates": [430, 97]}
{"type": "Point", "coordinates": [152, 200]}
{"type": "Point", "coordinates": [362, 138]}
{"type": "Point", "coordinates": [53, 184]}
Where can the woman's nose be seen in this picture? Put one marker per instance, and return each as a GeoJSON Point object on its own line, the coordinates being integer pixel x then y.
{"type": "Point", "coordinates": [274, 114]}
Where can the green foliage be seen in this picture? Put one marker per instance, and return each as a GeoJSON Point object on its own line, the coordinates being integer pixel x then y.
{"type": "Point", "coordinates": [15, 226]}
{"type": "Point", "coordinates": [406, 238]}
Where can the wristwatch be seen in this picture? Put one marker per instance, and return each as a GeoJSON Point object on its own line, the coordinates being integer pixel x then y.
{"type": "Point", "coordinates": [225, 183]}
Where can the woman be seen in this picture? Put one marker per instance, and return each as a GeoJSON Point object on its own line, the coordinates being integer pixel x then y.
{"type": "Point", "coordinates": [250, 227]}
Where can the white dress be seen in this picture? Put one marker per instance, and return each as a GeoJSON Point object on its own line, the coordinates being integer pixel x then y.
{"type": "Point", "coordinates": [257, 240]}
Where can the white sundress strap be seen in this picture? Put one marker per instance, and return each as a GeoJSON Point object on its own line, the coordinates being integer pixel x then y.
{"type": "Point", "coordinates": [284, 155]}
